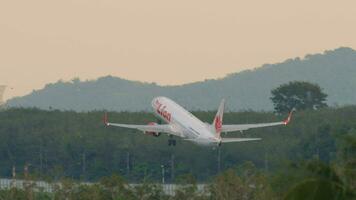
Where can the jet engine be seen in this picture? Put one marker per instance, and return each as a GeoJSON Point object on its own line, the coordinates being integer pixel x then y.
{"type": "Point", "coordinates": [155, 134]}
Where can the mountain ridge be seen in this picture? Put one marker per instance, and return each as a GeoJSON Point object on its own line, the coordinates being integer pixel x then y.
{"type": "Point", "coordinates": [334, 70]}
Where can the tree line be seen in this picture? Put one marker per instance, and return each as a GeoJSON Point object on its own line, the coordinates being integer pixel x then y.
{"type": "Point", "coordinates": [56, 144]}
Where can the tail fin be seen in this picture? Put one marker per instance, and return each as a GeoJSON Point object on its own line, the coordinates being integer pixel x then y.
{"type": "Point", "coordinates": [217, 123]}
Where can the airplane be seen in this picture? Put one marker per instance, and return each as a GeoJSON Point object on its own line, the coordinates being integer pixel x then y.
{"type": "Point", "coordinates": [182, 123]}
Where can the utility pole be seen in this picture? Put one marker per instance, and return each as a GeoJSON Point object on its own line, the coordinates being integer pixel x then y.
{"type": "Point", "coordinates": [317, 146]}
{"type": "Point", "coordinates": [172, 167]}
{"type": "Point", "coordinates": [27, 184]}
{"type": "Point", "coordinates": [219, 159]}
{"type": "Point", "coordinates": [266, 162]}
{"type": "Point", "coordinates": [13, 183]}
{"type": "Point", "coordinates": [83, 163]}
{"type": "Point", "coordinates": [26, 172]}
{"type": "Point", "coordinates": [128, 163]}
{"type": "Point", "coordinates": [162, 166]}
{"type": "Point", "coordinates": [41, 158]}
{"type": "Point", "coordinates": [25, 169]}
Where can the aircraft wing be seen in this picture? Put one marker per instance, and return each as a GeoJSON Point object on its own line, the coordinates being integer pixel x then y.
{"type": "Point", "coordinates": [242, 127]}
{"type": "Point", "coordinates": [149, 128]}
{"type": "Point", "coordinates": [228, 140]}
{"type": "Point", "coordinates": [160, 128]}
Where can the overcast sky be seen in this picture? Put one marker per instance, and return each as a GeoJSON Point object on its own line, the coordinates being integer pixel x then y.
{"type": "Point", "coordinates": [162, 41]}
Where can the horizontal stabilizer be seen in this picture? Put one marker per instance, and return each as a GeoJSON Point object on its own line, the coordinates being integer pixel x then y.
{"type": "Point", "coordinates": [227, 140]}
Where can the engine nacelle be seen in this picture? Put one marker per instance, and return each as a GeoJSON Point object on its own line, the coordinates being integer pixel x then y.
{"type": "Point", "coordinates": [155, 134]}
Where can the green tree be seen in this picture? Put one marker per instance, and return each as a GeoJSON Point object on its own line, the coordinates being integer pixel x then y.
{"type": "Point", "coordinates": [65, 190]}
{"type": "Point", "coordinates": [116, 187]}
{"type": "Point", "coordinates": [187, 187]}
{"type": "Point", "coordinates": [299, 95]}
{"type": "Point", "coordinates": [228, 186]}
{"type": "Point", "coordinates": [149, 191]}
{"type": "Point", "coordinates": [256, 182]}
{"type": "Point", "coordinates": [348, 162]}
{"type": "Point", "coordinates": [322, 182]}
{"type": "Point", "coordinates": [89, 192]}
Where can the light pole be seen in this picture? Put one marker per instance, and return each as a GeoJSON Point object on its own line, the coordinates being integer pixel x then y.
{"type": "Point", "coordinates": [128, 163]}
{"type": "Point", "coordinates": [172, 167]}
{"type": "Point", "coordinates": [162, 166]}
{"type": "Point", "coordinates": [219, 159]}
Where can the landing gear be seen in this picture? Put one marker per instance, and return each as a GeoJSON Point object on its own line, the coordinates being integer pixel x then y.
{"type": "Point", "coordinates": [217, 147]}
{"type": "Point", "coordinates": [171, 141]}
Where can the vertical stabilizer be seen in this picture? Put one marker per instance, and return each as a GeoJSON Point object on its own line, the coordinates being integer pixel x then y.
{"type": "Point", "coordinates": [217, 123]}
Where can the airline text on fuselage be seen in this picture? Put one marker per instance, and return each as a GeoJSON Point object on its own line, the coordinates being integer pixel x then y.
{"type": "Point", "coordinates": [161, 110]}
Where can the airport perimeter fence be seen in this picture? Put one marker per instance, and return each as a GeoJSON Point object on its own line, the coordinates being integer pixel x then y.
{"type": "Point", "coordinates": [168, 189]}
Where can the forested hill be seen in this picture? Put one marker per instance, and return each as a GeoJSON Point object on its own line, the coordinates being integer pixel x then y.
{"type": "Point", "coordinates": [335, 71]}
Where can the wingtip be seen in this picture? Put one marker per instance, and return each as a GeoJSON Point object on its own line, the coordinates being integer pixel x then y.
{"type": "Point", "coordinates": [289, 116]}
{"type": "Point", "coordinates": [105, 119]}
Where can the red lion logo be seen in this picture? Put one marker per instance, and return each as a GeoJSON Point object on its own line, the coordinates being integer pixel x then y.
{"type": "Point", "coordinates": [218, 124]}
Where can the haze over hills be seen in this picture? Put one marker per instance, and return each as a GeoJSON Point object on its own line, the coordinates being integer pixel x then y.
{"type": "Point", "coordinates": [334, 71]}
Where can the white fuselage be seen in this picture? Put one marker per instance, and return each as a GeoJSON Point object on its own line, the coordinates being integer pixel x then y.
{"type": "Point", "coordinates": [183, 122]}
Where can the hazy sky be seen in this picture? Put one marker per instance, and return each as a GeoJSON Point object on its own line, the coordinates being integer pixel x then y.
{"type": "Point", "coordinates": [163, 41]}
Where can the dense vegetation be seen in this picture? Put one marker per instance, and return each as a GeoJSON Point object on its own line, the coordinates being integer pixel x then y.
{"type": "Point", "coordinates": [249, 89]}
{"type": "Point", "coordinates": [316, 150]}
